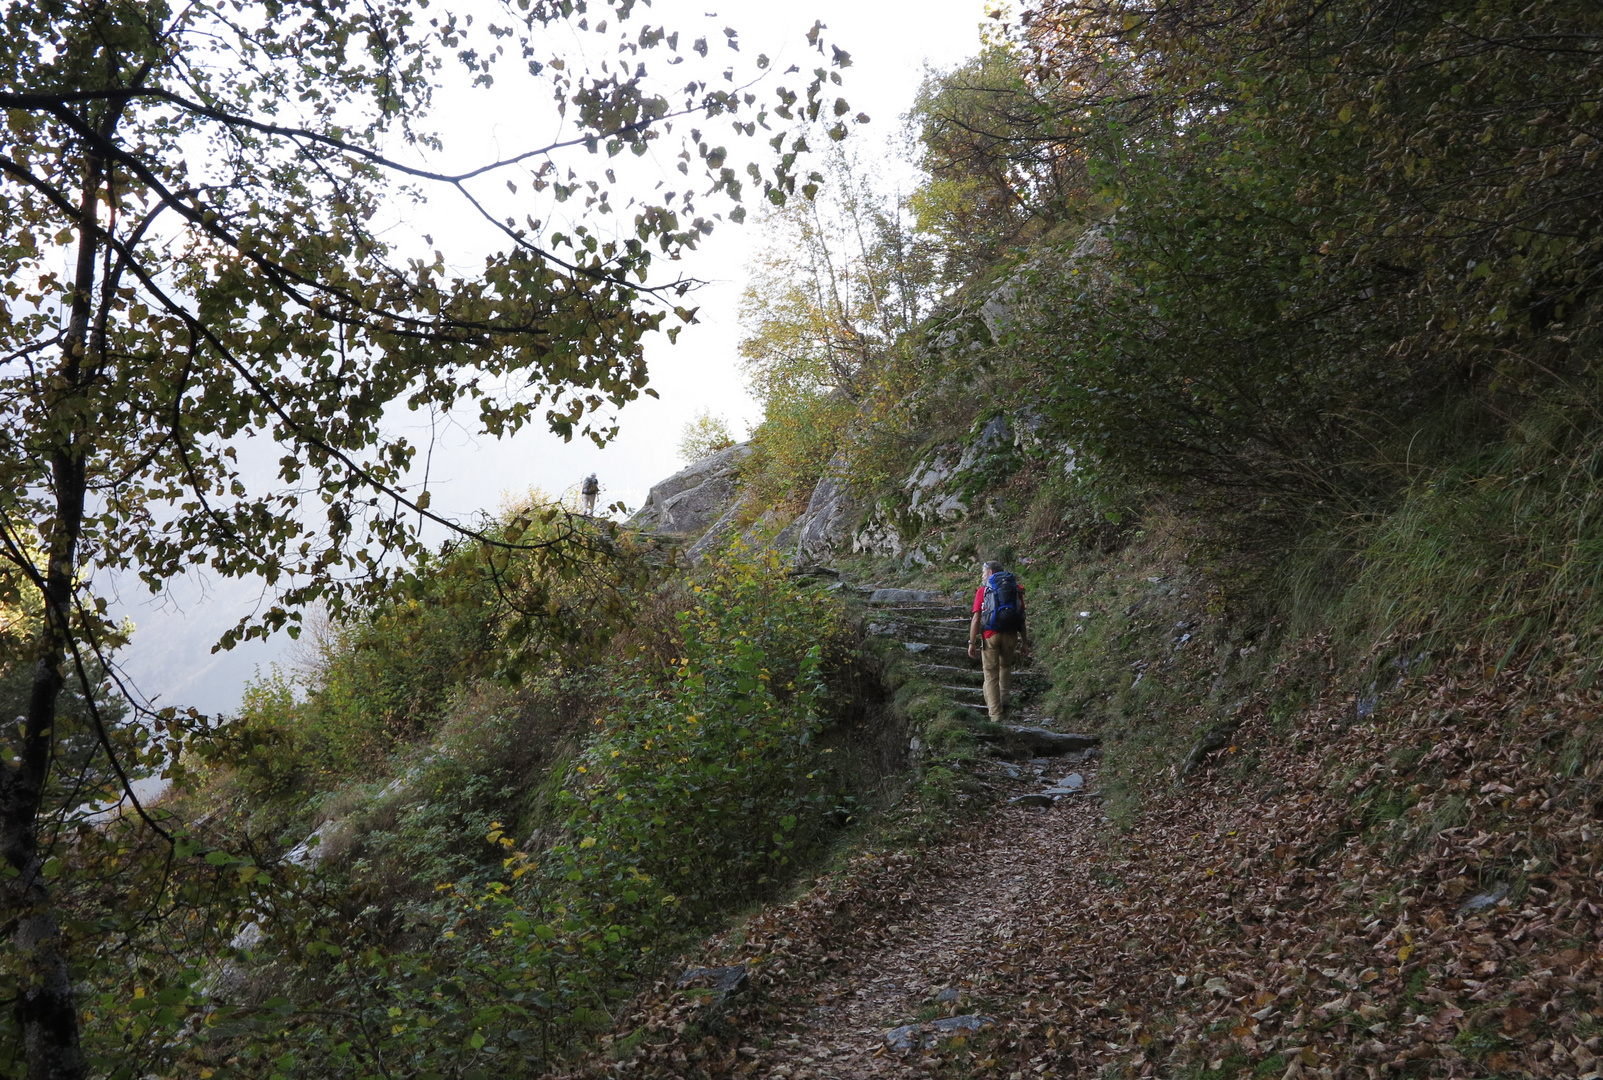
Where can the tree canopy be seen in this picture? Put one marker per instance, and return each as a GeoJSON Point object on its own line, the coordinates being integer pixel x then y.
{"type": "Point", "coordinates": [197, 202]}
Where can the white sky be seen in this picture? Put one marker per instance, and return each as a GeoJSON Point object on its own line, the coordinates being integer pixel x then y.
{"type": "Point", "coordinates": [890, 42]}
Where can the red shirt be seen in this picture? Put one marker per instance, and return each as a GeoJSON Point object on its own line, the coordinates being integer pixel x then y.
{"type": "Point", "coordinates": [979, 602]}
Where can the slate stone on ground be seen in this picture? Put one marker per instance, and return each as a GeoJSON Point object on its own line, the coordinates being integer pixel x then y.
{"type": "Point", "coordinates": [1482, 901]}
{"type": "Point", "coordinates": [925, 1036]}
{"type": "Point", "coordinates": [717, 982]}
{"type": "Point", "coordinates": [1034, 798]}
{"type": "Point", "coordinates": [1039, 742]}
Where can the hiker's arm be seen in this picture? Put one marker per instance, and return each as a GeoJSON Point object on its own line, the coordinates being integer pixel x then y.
{"type": "Point", "coordinates": [973, 634]}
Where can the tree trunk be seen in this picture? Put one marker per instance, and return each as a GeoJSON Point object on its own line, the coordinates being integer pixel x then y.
{"type": "Point", "coordinates": [45, 1009]}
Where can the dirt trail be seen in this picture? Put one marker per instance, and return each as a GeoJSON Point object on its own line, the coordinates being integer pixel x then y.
{"type": "Point", "coordinates": [960, 939]}
{"type": "Point", "coordinates": [944, 955]}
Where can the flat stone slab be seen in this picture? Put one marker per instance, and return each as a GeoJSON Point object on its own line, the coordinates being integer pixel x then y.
{"type": "Point", "coordinates": [926, 1036]}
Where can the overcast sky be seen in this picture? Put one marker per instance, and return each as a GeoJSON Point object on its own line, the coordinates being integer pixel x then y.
{"type": "Point", "coordinates": [891, 41]}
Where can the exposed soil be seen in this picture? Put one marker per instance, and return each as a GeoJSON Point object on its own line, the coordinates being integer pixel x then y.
{"type": "Point", "coordinates": [956, 937]}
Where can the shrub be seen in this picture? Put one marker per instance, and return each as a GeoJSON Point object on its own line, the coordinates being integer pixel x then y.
{"type": "Point", "coordinates": [799, 434]}
{"type": "Point", "coordinates": [703, 436]}
{"type": "Point", "coordinates": [705, 783]}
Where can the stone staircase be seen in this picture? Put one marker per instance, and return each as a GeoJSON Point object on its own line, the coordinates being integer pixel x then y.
{"type": "Point", "coordinates": [934, 628]}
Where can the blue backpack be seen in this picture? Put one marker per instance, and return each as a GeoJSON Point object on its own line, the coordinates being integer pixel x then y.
{"type": "Point", "coordinates": [1001, 610]}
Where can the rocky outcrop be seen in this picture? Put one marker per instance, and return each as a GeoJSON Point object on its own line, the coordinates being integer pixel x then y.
{"type": "Point", "coordinates": [696, 497]}
{"type": "Point", "coordinates": [948, 484]}
{"type": "Point", "coordinates": [825, 527]}
{"type": "Point", "coordinates": [719, 531]}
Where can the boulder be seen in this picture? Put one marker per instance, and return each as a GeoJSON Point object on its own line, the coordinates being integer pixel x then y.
{"type": "Point", "coordinates": [694, 497]}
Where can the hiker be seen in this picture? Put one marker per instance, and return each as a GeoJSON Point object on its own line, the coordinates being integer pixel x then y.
{"type": "Point", "coordinates": [999, 615]}
{"type": "Point", "coordinates": [590, 489]}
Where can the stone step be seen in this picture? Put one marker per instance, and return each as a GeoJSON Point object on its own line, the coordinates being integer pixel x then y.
{"type": "Point", "coordinates": [975, 672]}
{"type": "Point", "coordinates": [1029, 742]}
{"type": "Point", "coordinates": [980, 690]}
{"type": "Point", "coordinates": [955, 655]}
{"type": "Point", "coordinates": [913, 635]}
{"type": "Point", "coordinates": [908, 596]}
{"type": "Point", "coordinates": [950, 671]}
{"type": "Point", "coordinates": [942, 633]}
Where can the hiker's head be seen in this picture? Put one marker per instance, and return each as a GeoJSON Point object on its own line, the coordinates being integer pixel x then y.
{"type": "Point", "coordinates": [991, 567]}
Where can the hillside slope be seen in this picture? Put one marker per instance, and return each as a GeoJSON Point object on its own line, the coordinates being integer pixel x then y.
{"type": "Point", "coordinates": [1405, 880]}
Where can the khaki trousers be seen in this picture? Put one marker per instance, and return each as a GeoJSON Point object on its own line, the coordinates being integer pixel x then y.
{"type": "Point", "coordinates": [996, 655]}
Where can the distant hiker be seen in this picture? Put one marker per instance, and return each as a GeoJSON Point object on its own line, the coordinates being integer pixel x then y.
{"type": "Point", "coordinates": [999, 616]}
{"type": "Point", "coordinates": [590, 489]}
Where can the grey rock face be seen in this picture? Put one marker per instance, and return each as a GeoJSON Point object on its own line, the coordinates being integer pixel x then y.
{"type": "Point", "coordinates": [786, 542]}
{"type": "Point", "coordinates": [876, 536]}
{"type": "Point", "coordinates": [992, 438]}
{"type": "Point", "coordinates": [694, 497]}
{"type": "Point", "coordinates": [941, 489]}
{"type": "Point", "coordinates": [694, 509]}
{"type": "Point", "coordinates": [716, 533]}
{"type": "Point", "coordinates": [825, 525]}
